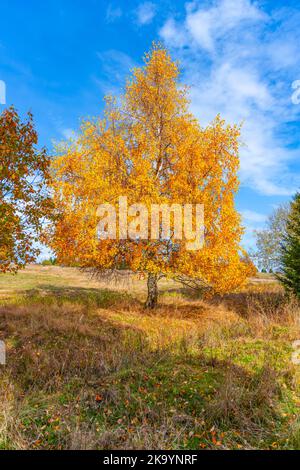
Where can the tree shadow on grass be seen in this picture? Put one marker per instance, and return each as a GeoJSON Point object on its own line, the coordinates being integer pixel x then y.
{"type": "Point", "coordinates": [186, 292]}
{"type": "Point", "coordinates": [51, 343]}
{"type": "Point", "coordinates": [184, 311]}
{"type": "Point", "coordinates": [246, 304]}
{"type": "Point", "coordinates": [92, 298]}
{"type": "Point", "coordinates": [89, 297]}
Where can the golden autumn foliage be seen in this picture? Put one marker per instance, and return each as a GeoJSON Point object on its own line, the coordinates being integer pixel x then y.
{"type": "Point", "coordinates": [151, 149]}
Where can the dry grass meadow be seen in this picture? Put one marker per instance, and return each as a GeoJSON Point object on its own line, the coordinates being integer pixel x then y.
{"type": "Point", "coordinates": [89, 368]}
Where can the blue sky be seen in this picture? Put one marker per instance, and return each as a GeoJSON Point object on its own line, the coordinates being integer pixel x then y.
{"type": "Point", "coordinates": [60, 57]}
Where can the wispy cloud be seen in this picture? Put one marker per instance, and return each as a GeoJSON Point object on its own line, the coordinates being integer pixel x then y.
{"type": "Point", "coordinates": [252, 216]}
{"type": "Point", "coordinates": [113, 13]}
{"type": "Point", "coordinates": [115, 67]}
{"type": "Point", "coordinates": [241, 67]}
{"type": "Point", "coordinates": [207, 26]}
{"type": "Point", "coordinates": [145, 13]}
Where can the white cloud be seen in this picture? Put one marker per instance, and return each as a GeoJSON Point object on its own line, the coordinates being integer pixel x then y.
{"type": "Point", "coordinates": [172, 33]}
{"type": "Point", "coordinates": [228, 56]}
{"type": "Point", "coordinates": [205, 26]}
{"type": "Point", "coordinates": [145, 13]}
{"type": "Point", "coordinates": [253, 216]}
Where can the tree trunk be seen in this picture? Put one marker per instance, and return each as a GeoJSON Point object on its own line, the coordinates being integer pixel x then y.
{"type": "Point", "coordinates": [152, 291]}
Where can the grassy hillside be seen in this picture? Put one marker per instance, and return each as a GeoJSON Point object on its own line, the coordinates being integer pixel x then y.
{"type": "Point", "coordinates": [89, 368]}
